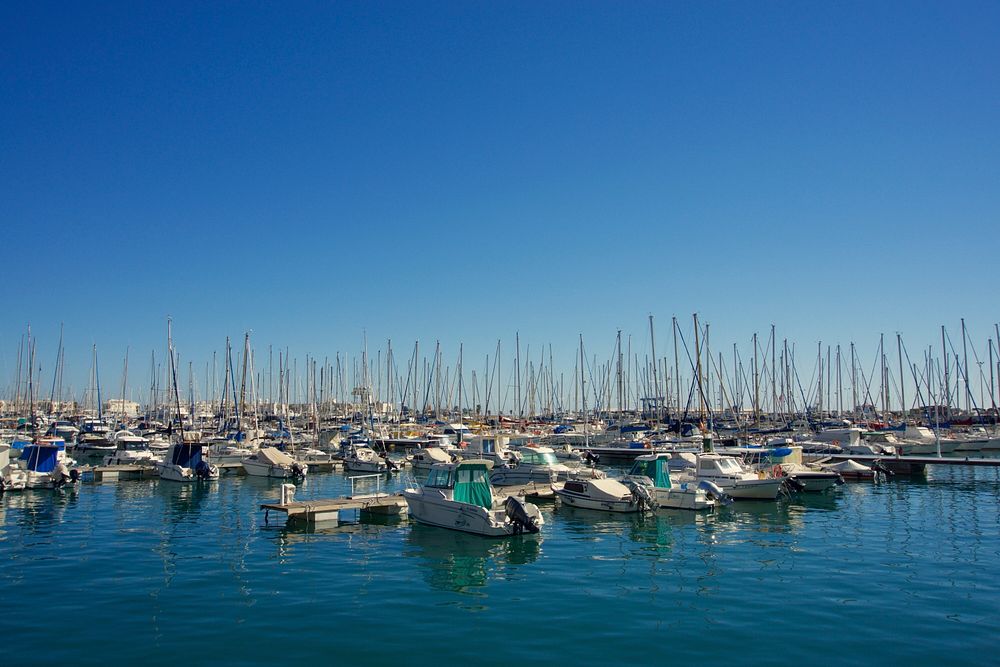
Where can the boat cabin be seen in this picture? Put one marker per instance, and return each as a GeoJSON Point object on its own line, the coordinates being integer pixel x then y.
{"type": "Point", "coordinates": [655, 468]}
{"type": "Point", "coordinates": [469, 481]}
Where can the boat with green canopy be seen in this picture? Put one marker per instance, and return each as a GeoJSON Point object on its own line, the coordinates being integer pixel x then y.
{"type": "Point", "coordinates": [459, 496]}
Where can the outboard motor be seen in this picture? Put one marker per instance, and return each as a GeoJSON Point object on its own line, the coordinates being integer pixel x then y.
{"type": "Point", "coordinates": [643, 498]}
{"type": "Point", "coordinates": [793, 484]}
{"type": "Point", "coordinates": [591, 458]}
{"type": "Point", "coordinates": [299, 470]}
{"type": "Point", "coordinates": [3, 485]}
{"type": "Point", "coordinates": [519, 516]}
{"type": "Point", "coordinates": [203, 470]}
{"type": "Point", "coordinates": [715, 492]}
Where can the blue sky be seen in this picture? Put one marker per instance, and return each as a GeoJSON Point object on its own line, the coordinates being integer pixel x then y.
{"type": "Point", "coordinates": [460, 171]}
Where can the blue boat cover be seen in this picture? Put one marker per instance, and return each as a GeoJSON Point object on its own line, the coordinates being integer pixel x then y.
{"type": "Point", "coordinates": [40, 458]}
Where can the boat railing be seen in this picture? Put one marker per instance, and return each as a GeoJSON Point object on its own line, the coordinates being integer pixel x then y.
{"type": "Point", "coordinates": [355, 478]}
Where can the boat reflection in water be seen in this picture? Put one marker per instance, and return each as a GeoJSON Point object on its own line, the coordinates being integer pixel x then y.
{"type": "Point", "coordinates": [462, 562]}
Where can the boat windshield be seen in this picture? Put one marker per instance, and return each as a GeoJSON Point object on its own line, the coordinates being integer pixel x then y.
{"type": "Point", "coordinates": [440, 478]}
{"type": "Point", "coordinates": [536, 457]}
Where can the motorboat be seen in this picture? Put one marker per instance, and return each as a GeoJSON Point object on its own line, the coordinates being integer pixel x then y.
{"type": "Point", "coordinates": [361, 458]}
{"type": "Point", "coordinates": [12, 477]}
{"type": "Point", "coordinates": [93, 437]}
{"type": "Point", "coordinates": [810, 478]}
{"type": "Point", "coordinates": [424, 458]}
{"type": "Point", "coordinates": [851, 469]}
{"type": "Point", "coordinates": [272, 462]}
{"type": "Point", "coordinates": [184, 463]}
{"type": "Point", "coordinates": [459, 496]}
{"type": "Point", "coordinates": [131, 449]}
{"type": "Point", "coordinates": [652, 472]}
{"type": "Point", "coordinates": [540, 465]}
{"type": "Point", "coordinates": [606, 495]}
{"type": "Point", "coordinates": [729, 474]}
{"type": "Point", "coordinates": [42, 467]}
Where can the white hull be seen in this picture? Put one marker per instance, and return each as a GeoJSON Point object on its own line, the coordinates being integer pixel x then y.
{"type": "Point", "coordinates": [175, 473]}
{"type": "Point", "coordinates": [582, 502]}
{"type": "Point", "coordinates": [683, 499]}
{"type": "Point", "coordinates": [432, 508]}
{"type": "Point", "coordinates": [261, 469]}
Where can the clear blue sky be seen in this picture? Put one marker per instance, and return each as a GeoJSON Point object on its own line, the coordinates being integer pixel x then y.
{"type": "Point", "coordinates": [459, 171]}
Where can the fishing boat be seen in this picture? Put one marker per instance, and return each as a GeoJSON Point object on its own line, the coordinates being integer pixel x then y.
{"type": "Point", "coordinates": [606, 495]}
{"type": "Point", "coordinates": [539, 464]}
{"type": "Point", "coordinates": [652, 471]}
{"type": "Point", "coordinates": [271, 462]}
{"type": "Point", "coordinates": [184, 463]}
{"type": "Point", "coordinates": [459, 496]}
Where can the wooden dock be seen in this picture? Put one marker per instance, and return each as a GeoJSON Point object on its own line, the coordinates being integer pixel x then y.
{"type": "Point", "coordinates": [328, 510]}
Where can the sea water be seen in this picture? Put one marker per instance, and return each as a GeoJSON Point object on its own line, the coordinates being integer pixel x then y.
{"type": "Point", "coordinates": [161, 573]}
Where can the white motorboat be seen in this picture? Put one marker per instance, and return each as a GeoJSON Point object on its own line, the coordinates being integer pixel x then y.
{"type": "Point", "coordinates": [810, 478]}
{"type": "Point", "coordinates": [606, 495]}
{"type": "Point", "coordinates": [93, 437]}
{"type": "Point", "coordinates": [12, 477]}
{"type": "Point", "coordinates": [459, 496]}
{"type": "Point", "coordinates": [271, 462]}
{"type": "Point", "coordinates": [184, 463]}
{"type": "Point", "coordinates": [361, 458]}
{"type": "Point", "coordinates": [130, 449]}
{"type": "Point", "coordinates": [539, 464]}
{"type": "Point", "coordinates": [425, 457]}
{"type": "Point", "coordinates": [729, 474]}
{"type": "Point", "coordinates": [652, 472]}
{"type": "Point", "coordinates": [851, 469]}
{"type": "Point", "coordinates": [43, 469]}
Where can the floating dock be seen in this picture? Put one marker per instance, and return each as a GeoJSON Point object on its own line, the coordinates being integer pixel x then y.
{"type": "Point", "coordinates": [914, 464]}
{"type": "Point", "coordinates": [328, 510]}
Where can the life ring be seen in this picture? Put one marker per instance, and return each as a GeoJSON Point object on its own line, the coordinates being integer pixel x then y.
{"type": "Point", "coordinates": [777, 471]}
{"type": "Point", "coordinates": [836, 443]}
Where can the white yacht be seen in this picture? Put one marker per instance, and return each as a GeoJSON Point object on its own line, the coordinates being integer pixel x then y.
{"type": "Point", "coordinates": [539, 464]}
{"type": "Point", "coordinates": [184, 463]}
{"type": "Point", "coordinates": [459, 496]}
{"type": "Point", "coordinates": [652, 471]}
{"type": "Point", "coordinates": [271, 462]}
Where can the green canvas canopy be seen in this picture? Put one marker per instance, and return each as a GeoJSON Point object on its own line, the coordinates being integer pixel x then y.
{"type": "Point", "coordinates": [472, 485]}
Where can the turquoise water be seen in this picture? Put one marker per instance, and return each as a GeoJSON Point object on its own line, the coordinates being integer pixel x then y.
{"type": "Point", "coordinates": [158, 573]}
